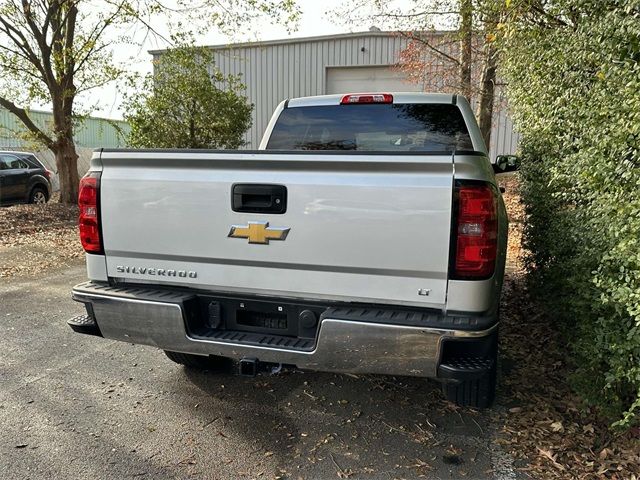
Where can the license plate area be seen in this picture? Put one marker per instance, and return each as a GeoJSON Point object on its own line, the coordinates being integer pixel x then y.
{"type": "Point", "coordinates": [262, 320]}
{"type": "Point", "coordinates": [210, 315]}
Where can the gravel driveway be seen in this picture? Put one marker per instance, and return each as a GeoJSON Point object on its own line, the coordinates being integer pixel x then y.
{"type": "Point", "coordinates": [73, 406]}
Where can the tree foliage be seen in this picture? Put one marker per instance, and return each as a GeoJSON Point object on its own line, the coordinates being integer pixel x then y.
{"type": "Point", "coordinates": [188, 103]}
{"type": "Point", "coordinates": [51, 51]}
{"type": "Point", "coordinates": [573, 68]}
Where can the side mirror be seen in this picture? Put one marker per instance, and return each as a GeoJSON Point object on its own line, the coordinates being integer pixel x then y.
{"type": "Point", "coordinates": [506, 163]}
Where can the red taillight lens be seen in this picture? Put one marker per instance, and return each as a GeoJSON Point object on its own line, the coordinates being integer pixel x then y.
{"type": "Point", "coordinates": [48, 173]}
{"type": "Point", "coordinates": [366, 98]}
{"type": "Point", "coordinates": [476, 232]}
{"type": "Point", "coordinates": [89, 220]}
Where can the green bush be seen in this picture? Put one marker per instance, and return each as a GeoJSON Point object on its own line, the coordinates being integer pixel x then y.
{"type": "Point", "coordinates": [187, 103]}
{"type": "Point", "coordinates": [573, 73]}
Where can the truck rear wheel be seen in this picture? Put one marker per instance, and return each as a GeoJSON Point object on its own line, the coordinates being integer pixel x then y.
{"type": "Point", "coordinates": [468, 370]}
{"type": "Point", "coordinates": [199, 362]}
{"type": "Point", "coordinates": [476, 393]}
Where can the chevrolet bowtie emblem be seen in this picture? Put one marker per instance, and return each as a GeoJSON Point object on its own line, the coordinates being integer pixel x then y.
{"type": "Point", "coordinates": [259, 232]}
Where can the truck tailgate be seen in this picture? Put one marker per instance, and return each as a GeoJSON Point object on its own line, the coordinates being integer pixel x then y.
{"type": "Point", "coordinates": [363, 228]}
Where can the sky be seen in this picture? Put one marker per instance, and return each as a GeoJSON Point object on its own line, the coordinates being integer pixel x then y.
{"type": "Point", "coordinates": [317, 19]}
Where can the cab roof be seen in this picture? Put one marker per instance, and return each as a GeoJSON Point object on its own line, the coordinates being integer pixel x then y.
{"type": "Point", "coordinates": [398, 97]}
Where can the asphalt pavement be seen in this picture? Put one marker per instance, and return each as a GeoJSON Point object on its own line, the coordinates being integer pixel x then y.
{"type": "Point", "coordinates": [75, 407]}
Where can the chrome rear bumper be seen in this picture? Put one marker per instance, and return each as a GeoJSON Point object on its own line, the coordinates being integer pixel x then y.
{"type": "Point", "coordinates": [157, 318]}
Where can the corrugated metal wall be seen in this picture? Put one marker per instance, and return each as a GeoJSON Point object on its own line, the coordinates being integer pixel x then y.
{"type": "Point", "coordinates": [89, 133]}
{"type": "Point", "coordinates": [276, 70]}
{"type": "Point", "coordinates": [504, 138]}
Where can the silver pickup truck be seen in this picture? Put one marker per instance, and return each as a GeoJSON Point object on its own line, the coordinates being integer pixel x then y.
{"type": "Point", "coordinates": [366, 235]}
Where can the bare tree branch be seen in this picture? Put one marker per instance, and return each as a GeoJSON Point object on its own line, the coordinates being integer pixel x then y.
{"type": "Point", "coordinates": [94, 35]}
{"type": "Point", "coordinates": [558, 21]}
{"type": "Point", "coordinates": [420, 39]}
{"type": "Point", "coordinates": [18, 69]}
{"type": "Point", "coordinates": [39, 37]}
{"type": "Point", "coordinates": [21, 42]}
{"type": "Point", "coordinates": [22, 114]}
{"type": "Point", "coordinates": [414, 15]}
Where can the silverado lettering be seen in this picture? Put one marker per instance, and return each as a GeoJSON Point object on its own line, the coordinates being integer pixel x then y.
{"type": "Point", "coordinates": [156, 271]}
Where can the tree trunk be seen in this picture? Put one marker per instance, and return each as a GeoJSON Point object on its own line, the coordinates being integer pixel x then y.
{"type": "Point", "coordinates": [466, 38]}
{"type": "Point", "coordinates": [487, 93]}
{"type": "Point", "coordinates": [67, 164]}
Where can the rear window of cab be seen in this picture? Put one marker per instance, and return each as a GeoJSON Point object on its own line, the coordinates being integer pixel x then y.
{"type": "Point", "coordinates": [418, 127]}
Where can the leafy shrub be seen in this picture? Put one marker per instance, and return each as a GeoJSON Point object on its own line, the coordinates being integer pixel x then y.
{"type": "Point", "coordinates": [187, 103]}
{"type": "Point", "coordinates": [573, 72]}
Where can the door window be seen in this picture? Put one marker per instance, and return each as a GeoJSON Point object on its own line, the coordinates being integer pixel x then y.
{"type": "Point", "coordinates": [10, 162]}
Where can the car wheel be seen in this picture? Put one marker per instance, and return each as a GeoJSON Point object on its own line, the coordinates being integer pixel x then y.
{"type": "Point", "coordinates": [38, 196]}
{"type": "Point", "coordinates": [199, 362]}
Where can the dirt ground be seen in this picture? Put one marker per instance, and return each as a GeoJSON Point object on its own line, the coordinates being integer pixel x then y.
{"type": "Point", "coordinates": [35, 238]}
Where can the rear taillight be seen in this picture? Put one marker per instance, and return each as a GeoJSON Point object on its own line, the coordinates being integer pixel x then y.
{"type": "Point", "coordinates": [475, 231]}
{"type": "Point", "coordinates": [48, 173]}
{"type": "Point", "coordinates": [89, 220]}
{"type": "Point", "coordinates": [366, 98]}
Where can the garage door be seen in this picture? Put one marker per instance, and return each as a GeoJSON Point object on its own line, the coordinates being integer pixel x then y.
{"type": "Point", "coordinates": [368, 79]}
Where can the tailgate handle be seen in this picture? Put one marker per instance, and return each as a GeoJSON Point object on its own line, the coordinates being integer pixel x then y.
{"type": "Point", "coordinates": [258, 198]}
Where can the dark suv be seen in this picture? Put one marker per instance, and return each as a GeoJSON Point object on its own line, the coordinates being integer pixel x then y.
{"type": "Point", "coordinates": [23, 178]}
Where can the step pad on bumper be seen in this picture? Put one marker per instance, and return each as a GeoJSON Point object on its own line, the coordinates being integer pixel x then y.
{"type": "Point", "coordinates": [410, 317]}
{"type": "Point", "coordinates": [84, 324]}
{"type": "Point", "coordinates": [465, 368]}
{"type": "Point", "coordinates": [131, 293]}
{"type": "Point", "coordinates": [257, 339]}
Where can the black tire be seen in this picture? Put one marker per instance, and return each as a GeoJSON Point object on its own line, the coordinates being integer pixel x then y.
{"type": "Point", "coordinates": [38, 195]}
{"type": "Point", "coordinates": [199, 362]}
{"type": "Point", "coordinates": [478, 393]}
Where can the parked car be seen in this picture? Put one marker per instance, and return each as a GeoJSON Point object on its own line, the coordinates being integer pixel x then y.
{"type": "Point", "coordinates": [367, 235]}
{"type": "Point", "coordinates": [23, 179]}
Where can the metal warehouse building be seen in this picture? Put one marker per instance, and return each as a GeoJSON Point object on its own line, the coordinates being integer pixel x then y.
{"type": "Point", "coordinates": [89, 133]}
{"type": "Point", "coordinates": [352, 62]}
